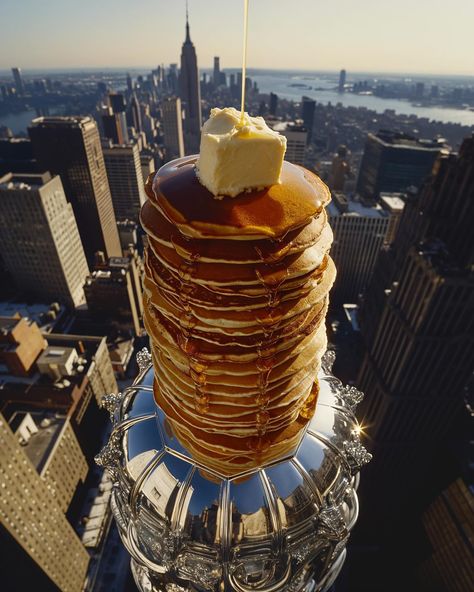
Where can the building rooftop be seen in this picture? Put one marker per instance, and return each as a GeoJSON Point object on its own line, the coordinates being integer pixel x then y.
{"type": "Point", "coordinates": [392, 201]}
{"type": "Point", "coordinates": [44, 315]}
{"type": "Point", "coordinates": [353, 207]}
{"type": "Point", "coordinates": [39, 445]}
{"type": "Point", "coordinates": [62, 121]}
{"type": "Point", "coordinates": [402, 140]}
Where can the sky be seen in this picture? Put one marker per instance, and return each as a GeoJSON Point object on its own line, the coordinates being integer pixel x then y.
{"type": "Point", "coordinates": [403, 36]}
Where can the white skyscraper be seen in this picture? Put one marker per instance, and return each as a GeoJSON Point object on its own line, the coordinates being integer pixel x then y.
{"type": "Point", "coordinates": [173, 127]}
{"type": "Point", "coordinates": [39, 241]}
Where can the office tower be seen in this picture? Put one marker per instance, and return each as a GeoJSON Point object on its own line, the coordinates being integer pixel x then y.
{"type": "Point", "coordinates": [190, 94]}
{"type": "Point", "coordinates": [359, 233]}
{"type": "Point", "coordinates": [296, 140]}
{"type": "Point", "coordinates": [342, 81]}
{"type": "Point", "coordinates": [39, 546]}
{"type": "Point", "coordinates": [394, 161]}
{"type": "Point", "coordinates": [16, 156]}
{"type": "Point", "coordinates": [113, 291]}
{"type": "Point", "coordinates": [393, 204]}
{"type": "Point", "coordinates": [128, 232]}
{"type": "Point", "coordinates": [147, 163]}
{"type": "Point", "coordinates": [172, 127]}
{"type": "Point", "coordinates": [308, 107]}
{"type": "Point", "coordinates": [20, 87]}
{"type": "Point", "coordinates": [417, 323]}
{"type": "Point", "coordinates": [448, 525]}
{"type": "Point", "coordinates": [129, 83]}
{"type": "Point", "coordinates": [112, 126]}
{"type": "Point", "coordinates": [419, 90]}
{"type": "Point", "coordinates": [340, 169]}
{"type": "Point", "coordinates": [21, 343]}
{"type": "Point", "coordinates": [119, 107]}
{"type": "Point", "coordinates": [70, 147]}
{"type": "Point", "coordinates": [124, 173]}
{"type": "Point", "coordinates": [40, 242]}
{"type": "Point", "coordinates": [273, 104]}
{"type": "Point", "coordinates": [216, 78]}
{"type": "Point", "coordinates": [134, 117]}
{"type": "Point", "coordinates": [172, 79]}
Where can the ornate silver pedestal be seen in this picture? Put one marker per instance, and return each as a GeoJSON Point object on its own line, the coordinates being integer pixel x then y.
{"type": "Point", "coordinates": [283, 526]}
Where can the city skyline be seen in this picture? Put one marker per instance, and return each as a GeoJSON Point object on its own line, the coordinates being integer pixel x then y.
{"type": "Point", "coordinates": [313, 48]}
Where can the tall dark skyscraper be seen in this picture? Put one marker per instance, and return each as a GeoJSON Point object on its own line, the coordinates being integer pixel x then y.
{"type": "Point", "coordinates": [70, 147]}
{"type": "Point", "coordinates": [393, 161]}
{"type": "Point", "coordinates": [134, 118]}
{"type": "Point", "coordinates": [342, 80]}
{"type": "Point", "coordinates": [20, 87]}
{"type": "Point", "coordinates": [308, 107]}
{"type": "Point", "coordinates": [273, 103]}
{"type": "Point", "coordinates": [417, 324]}
{"type": "Point", "coordinates": [217, 71]}
{"type": "Point", "coordinates": [190, 94]}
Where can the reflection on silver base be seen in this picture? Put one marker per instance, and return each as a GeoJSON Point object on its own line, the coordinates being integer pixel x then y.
{"type": "Point", "coordinates": [282, 526]}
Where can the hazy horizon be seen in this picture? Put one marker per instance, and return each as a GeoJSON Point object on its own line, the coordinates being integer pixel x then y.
{"type": "Point", "coordinates": [402, 38]}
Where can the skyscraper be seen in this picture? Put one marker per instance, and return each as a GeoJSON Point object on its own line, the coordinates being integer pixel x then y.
{"type": "Point", "coordinates": [190, 94]}
{"type": "Point", "coordinates": [40, 242]}
{"type": "Point", "coordinates": [112, 126]}
{"type": "Point", "coordinates": [417, 324]}
{"type": "Point", "coordinates": [342, 81]}
{"type": "Point", "coordinates": [20, 87]}
{"type": "Point", "coordinates": [172, 127]}
{"type": "Point", "coordinates": [39, 545]}
{"type": "Point", "coordinates": [393, 162]}
{"type": "Point", "coordinates": [273, 103]}
{"type": "Point", "coordinates": [359, 233]}
{"type": "Point", "coordinates": [308, 107]}
{"type": "Point", "coordinates": [119, 106]}
{"type": "Point", "coordinates": [296, 140]}
{"type": "Point", "coordinates": [217, 72]}
{"type": "Point", "coordinates": [125, 180]}
{"type": "Point", "coordinates": [134, 118]}
{"type": "Point", "coordinates": [70, 147]}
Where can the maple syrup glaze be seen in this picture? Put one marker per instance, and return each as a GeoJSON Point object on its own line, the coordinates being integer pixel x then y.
{"type": "Point", "coordinates": [271, 212]}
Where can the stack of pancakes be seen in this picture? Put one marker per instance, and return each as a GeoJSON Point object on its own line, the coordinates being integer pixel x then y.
{"type": "Point", "coordinates": [236, 293]}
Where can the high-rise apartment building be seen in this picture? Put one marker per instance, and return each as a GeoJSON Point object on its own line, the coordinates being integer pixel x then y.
{"type": "Point", "coordinates": [114, 291]}
{"type": "Point", "coordinates": [216, 78]}
{"type": "Point", "coordinates": [296, 139]}
{"type": "Point", "coordinates": [273, 107]}
{"type": "Point", "coordinates": [39, 545]}
{"type": "Point", "coordinates": [359, 233]}
{"type": "Point", "coordinates": [124, 173]}
{"type": "Point", "coordinates": [173, 127]}
{"type": "Point", "coordinates": [393, 162]}
{"type": "Point", "coordinates": [417, 325]}
{"type": "Point", "coordinates": [342, 81]}
{"type": "Point", "coordinates": [308, 107]}
{"type": "Point", "coordinates": [20, 87]}
{"type": "Point", "coordinates": [70, 147]}
{"type": "Point", "coordinates": [448, 524]}
{"type": "Point", "coordinates": [190, 94]}
{"type": "Point", "coordinates": [40, 242]}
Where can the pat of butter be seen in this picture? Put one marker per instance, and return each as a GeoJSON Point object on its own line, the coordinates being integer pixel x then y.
{"type": "Point", "coordinates": [237, 156]}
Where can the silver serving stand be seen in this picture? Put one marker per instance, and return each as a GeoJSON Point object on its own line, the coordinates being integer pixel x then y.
{"type": "Point", "coordinates": [282, 526]}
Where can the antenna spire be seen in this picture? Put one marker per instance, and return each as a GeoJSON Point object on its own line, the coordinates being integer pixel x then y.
{"type": "Point", "coordinates": [188, 38]}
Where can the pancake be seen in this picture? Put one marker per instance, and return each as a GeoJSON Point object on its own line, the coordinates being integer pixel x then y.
{"type": "Point", "coordinates": [235, 299]}
{"type": "Point", "coordinates": [269, 213]}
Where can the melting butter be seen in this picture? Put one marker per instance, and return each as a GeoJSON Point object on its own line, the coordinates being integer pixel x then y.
{"type": "Point", "coordinates": [238, 153]}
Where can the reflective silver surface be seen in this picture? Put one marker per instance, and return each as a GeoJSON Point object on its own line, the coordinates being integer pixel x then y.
{"type": "Point", "coordinates": [282, 526]}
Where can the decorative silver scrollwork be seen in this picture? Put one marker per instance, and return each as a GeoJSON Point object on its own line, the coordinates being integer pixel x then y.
{"type": "Point", "coordinates": [328, 360]}
{"type": "Point", "coordinates": [356, 455]}
{"type": "Point", "coordinates": [143, 360]}
{"type": "Point", "coordinates": [112, 402]}
{"type": "Point", "coordinates": [109, 456]}
{"type": "Point", "coordinates": [331, 522]}
{"type": "Point", "coordinates": [350, 396]}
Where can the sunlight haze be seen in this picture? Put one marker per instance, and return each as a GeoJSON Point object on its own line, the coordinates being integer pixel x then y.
{"type": "Point", "coordinates": [400, 36]}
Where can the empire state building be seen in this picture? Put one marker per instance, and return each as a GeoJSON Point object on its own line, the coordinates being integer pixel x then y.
{"type": "Point", "coordinates": [190, 94]}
